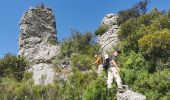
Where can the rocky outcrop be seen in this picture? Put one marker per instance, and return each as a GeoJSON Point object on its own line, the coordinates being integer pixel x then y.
{"type": "Point", "coordinates": [109, 38]}
{"type": "Point", "coordinates": [129, 95]}
{"type": "Point", "coordinates": [38, 42]}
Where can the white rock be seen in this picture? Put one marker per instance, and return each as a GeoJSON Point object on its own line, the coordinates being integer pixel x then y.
{"type": "Point", "coordinates": [42, 73]}
{"type": "Point", "coordinates": [110, 19]}
{"type": "Point", "coordinates": [37, 27]}
{"type": "Point", "coordinates": [130, 95]}
{"type": "Point", "coordinates": [109, 38]}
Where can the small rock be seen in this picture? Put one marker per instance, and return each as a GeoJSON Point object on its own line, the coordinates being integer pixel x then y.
{"type": "Point", "coordinates": [130, 95]}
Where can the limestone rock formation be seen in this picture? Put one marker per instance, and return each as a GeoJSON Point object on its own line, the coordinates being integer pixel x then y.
{"type": "Point", "coordinates": [109, 38]}
{"type": "Point", "coordinates": [130, 95]}
{"type": "Point", "coordinates": [38, 42]}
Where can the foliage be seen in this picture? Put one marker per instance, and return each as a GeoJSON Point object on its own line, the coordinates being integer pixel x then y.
{"type": "Point", "coordinates": [145, 59]}
{"type": "Point", "coordinates": [74, 88]}
{"type": "Point", "coordinates": [82, 62]}
{"type": "Point", "coordinates": [135, 28]}
{"type": "Point", "coordinates": [77, 43]}
{"type": "Point", "coordinates": [97, 90]}
{"type": "Point", "coordinates": [13, 66]}
{"type": "Point", "coordinates": [135, 72]}
{"type": "Point", "coordinates": [131, 63]}
{"type": "Point", "coordinates": [134, 12]}
{"type": "Point", "coordinates": [156, 45]}
{"type": "Point", "coordinates": [80, 49]}
{"type": "Point", "coordinates": [133, 60]}
{"type": "Point", "coordinates": [144, 62]}
{"type": "Point", "coordinates": [101, 30]}
{"type": "Point", "coordinates": [52, 40]}
{"type": "Point", "coordinates": [128, 29]}
{"type": "Point", "coordinates": [13, 89]}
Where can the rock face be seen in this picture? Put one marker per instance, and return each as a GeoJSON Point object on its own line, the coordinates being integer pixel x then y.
{"type": "Point", "coordinates": [130, 95]}
{"type": "Point", "coordinates": [109, 38]}
{"type": "Point", "coordinates": [38, 42]}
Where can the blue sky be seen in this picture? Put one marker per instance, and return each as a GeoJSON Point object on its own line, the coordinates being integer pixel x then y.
{"type": "Point", "coordinates": [82, 15]}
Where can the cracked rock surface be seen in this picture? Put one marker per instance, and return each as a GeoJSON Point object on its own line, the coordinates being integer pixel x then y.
{"type": "Point", "coordinates": [109, 38]}
{"type": "Point", "coordinates": [37, 31]}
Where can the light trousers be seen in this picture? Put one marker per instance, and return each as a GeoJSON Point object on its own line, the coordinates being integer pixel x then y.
{"type": "Point", "coordinates": [113, 73]}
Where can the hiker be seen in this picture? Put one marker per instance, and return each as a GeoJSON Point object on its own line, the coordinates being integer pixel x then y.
{"type": "Point", "coordinates": [113, 70]}
{"type": "Point", "coordinates": [99, 63]}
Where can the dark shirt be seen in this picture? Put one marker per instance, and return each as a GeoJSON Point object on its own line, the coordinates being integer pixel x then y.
{"type": "Point", "coordinates": [111, 58]}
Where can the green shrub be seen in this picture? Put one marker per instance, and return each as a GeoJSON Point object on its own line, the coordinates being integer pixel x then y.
{"type": "Point", "coordinates": [101, 30]}
{"type": "Point", "coordinates": [52, 40]}
{"type": "Point", "coordinates": [13, 89]}
{"type": "Point", "coordinates": [77, 43]}
{"type": "Point", "coordinates": [135, 71]}
{"type": "Point", "coordinates": [74, 88]}
{"type": "Point", "coordinates": [150, 17]}
{"type": "Point", "coordinates": [166, 97]}
{"type": "Point", "coordinates": [124, 15]}
{"type": "Point", "coordinates": [156, 45]}
{"type": "Point", "coordinates": [135, 28]}
{"type": "Point", "coordinates": [133, 60]}
{"type": "Point", "coordinates": [134, 12]}
{"type": "Point", "coordinates": [128, 29]}
{"type": "Point", "coordinates": [13, 66]}
{"type": "Point", "coordinates": [82, 62]}
{"type": "Point", "coordinates": [131, 65]}
{"type": "Point", "coordinates": [97, 90]}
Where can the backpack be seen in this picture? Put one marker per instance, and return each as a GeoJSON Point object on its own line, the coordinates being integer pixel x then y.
{"type": "Point", "coordinates": [106, 61]}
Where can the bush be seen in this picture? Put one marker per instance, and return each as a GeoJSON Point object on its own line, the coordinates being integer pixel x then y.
{"type": "Point", "coordinates": [101, 30]}
{"type": "Point", "coordinates": [74, 88]}
{"type": "Point", "coordinates": [156, 45]}
{"type": "Point", "coordinates": [13, 89]}
{"type": "Point", "coordinates": [97, 90]}
{"type": "Point", "coordinates": [123, 16]}
{"type": "Point", "coordinates": [82, 62]}
{"type": "Point", "coordinates": [52, 40]}
{"type": "Point", "coordinates": [128, 29]}
{"type": "Point", "coordinates": [77, 43]}
{"type": "Point", "coordinates": [157, 85]}
{"type": "Point", "coordinates": [135, 28]}
{"type": "Point", "coordinates": [131, 64]}
{"type": "Point", "coordinates": [13, 66]}
{"type": "Point", "coordinates": [135, 71]}
{"type": "Point", "coordinates": [149, 18]}
{"type": "Point", "coordinates": [134, 12]}
{"type": "Point", "coordinates": [133, 61]}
